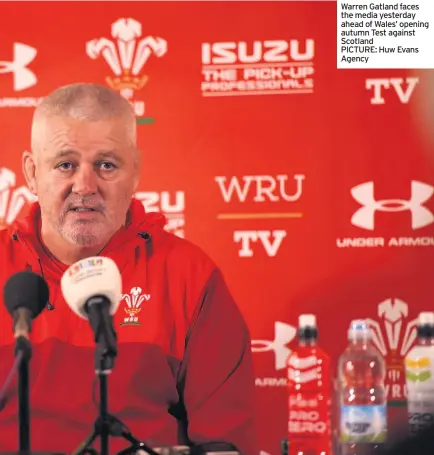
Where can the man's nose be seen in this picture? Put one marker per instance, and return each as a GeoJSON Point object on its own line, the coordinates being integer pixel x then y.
{"type": "Point", "coordinates": [85, 181]}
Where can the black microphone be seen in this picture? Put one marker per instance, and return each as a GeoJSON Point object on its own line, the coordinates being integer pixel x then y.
{"type": "Point", "coordinates": [25, 295]}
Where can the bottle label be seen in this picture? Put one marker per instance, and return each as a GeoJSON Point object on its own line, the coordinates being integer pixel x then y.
{"type": "Point", "coordinates": [308, 416]}
{"type": "Point", "coordinates": [420, 414]}
{"type": "Point", "coordinates": [364, 424]}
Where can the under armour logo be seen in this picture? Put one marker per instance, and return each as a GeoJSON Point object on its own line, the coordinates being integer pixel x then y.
{"type": "Point", "coordinates": [23, 77]}
{"type": "Point", "coordinates": [365, 216]}
{"type": "Point", "coordinates": [283, 334]}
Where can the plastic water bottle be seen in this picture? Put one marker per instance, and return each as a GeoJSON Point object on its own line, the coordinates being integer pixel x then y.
{"type": "Point", "coordinates": [362, 394]}
{"type": "Point", "coordinates": [309, 427]}
{"type": "Point", "coordinates": [419, 376]}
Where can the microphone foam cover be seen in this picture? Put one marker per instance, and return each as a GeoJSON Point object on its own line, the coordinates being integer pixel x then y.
{"type": "Point", "coordinates": [90, 277]}
{"type": "Point", "coordinates": [26, 290]}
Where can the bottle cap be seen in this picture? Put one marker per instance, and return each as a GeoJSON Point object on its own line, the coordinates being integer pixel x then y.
{"type": "Point", "coordinates": [307, 320]}
{"type": "Point", "coordinates": [359, 328]}
{"type": "Point", "coordinates": [426, 318]}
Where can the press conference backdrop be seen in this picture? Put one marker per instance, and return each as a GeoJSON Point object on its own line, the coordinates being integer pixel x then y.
{"type": "Point", "coordinates": [312, 188]}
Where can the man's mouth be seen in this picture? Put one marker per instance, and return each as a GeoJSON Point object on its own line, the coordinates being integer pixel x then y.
{"type": "Point", "coordinates": [83, 209]}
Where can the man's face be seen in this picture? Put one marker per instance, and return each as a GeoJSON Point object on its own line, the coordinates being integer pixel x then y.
{"type": "Point", "coordinates": [85, 175]}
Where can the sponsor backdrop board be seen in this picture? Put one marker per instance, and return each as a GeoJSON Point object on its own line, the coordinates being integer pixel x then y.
{"type": "Point", "coordinates": [312, 188]}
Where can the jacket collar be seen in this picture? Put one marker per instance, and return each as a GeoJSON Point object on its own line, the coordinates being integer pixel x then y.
{"type": "Point", "coordinates": [139, 229]}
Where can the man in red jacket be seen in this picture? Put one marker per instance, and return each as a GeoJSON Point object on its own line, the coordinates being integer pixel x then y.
{"type": "Point", "coordinates": [184, 373]}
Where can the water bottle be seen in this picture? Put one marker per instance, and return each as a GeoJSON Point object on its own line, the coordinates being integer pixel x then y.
{"type": "Point", "coordinates": [361, 394]}
{"type": "Point", "coordinates": [419, 376]}
{"type": "Point", "coordinates": [309, 427]}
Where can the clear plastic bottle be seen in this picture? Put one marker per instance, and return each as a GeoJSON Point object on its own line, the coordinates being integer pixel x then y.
{"type": "Point", "coordinates": [309, 427]}
{"type": "Point", "coordinates": [362, 394]}
{"type": "Point", "coordinates": [419, 376]}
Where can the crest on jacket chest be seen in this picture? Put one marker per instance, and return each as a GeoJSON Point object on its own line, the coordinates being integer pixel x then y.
{"type": "Point", "coordinates": [132, 304]}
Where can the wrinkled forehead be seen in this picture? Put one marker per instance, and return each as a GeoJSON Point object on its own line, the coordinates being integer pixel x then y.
{"type": "Point", "coordinates": [51, 134]}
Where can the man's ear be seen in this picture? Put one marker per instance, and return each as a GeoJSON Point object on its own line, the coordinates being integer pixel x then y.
{"type": "Point", "coordinates": [29, 171]}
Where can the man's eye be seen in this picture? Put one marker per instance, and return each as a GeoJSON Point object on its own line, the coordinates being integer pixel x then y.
{"type": "Point", "coordinates": [64, 166]}
{"type": "Point", "coordinates": [107, 166]}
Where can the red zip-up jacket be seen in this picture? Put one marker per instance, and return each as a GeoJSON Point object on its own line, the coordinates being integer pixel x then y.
{"type": "Point", "coordinates": [183, 374]}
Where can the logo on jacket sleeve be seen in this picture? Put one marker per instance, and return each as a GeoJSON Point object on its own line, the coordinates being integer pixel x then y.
{"type": "Point", "coordinates": [132, 308]}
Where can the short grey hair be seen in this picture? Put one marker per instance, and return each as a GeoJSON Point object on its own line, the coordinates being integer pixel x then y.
{"type": "Point", "coordinates": [87, 102]}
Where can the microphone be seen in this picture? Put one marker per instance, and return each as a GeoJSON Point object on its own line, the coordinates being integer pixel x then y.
{"type": "Point", "coordinates": [92, 289]}
{"type": "Point", "coordinates": [25, 295]}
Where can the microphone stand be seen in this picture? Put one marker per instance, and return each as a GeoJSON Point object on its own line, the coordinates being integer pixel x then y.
{"type": "Point", "coordinates": [24, 347]}
{"type": "Point", "coordinates": [106, 364]}
{"type": "Point", "coordinates": [106, 425]}
{"type": "Point", "coordinates": [23, 354]}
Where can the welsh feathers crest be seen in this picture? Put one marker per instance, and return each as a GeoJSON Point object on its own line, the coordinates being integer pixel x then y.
{"type": "Point", "coordinates": [12, 198]}
{"type": "Point", "coordinates": [126, 54]}
{"type": "Point", "coordinates": [132, 308]}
